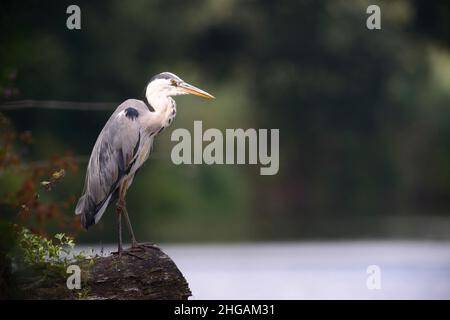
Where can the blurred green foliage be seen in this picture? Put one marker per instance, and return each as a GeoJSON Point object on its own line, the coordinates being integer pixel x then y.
{"type": "Point", "coordinates": [37, 266]}
{"type": "Point", "coordinates": [364, 115]}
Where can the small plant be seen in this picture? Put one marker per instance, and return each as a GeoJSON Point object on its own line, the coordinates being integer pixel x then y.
{"type": "Point", "coordinates": [43, 262]}
{"type": "Point", "coordinates": [38, 250]}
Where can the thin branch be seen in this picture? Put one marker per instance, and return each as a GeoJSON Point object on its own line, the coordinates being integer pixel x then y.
{"type": "Point", "coordinates": [79, 159]}
{"type": "Point", "coordinates": [45, 163]}
{"type": "Point", "coordinates": [59, 105]}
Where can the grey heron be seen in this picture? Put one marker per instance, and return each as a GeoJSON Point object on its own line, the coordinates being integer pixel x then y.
{"type": "Point", "coordinates": [124, 144]}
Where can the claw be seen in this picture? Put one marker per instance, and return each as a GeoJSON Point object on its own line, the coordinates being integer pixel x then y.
{"type": "Point", "coordinates": [140, 246]}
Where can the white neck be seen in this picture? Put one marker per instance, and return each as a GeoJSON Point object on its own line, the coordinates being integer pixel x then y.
{"type": "Point", "coordinates": [158, 101]}
{"type": "Point", "coordinates": [164, 110]}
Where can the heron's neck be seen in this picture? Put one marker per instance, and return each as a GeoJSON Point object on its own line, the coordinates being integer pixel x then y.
{"type": "Point", "coordinates": [163, 110]}
{"type": "Point", "coordinates": [158, 102]}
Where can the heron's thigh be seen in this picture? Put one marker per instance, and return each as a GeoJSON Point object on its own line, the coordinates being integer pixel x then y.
{"type": "Point", "coordinates": [123, 189]}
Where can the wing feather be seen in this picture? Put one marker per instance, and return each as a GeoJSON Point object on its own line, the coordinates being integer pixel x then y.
{"type": "Point", "coordinates": [112, 157]}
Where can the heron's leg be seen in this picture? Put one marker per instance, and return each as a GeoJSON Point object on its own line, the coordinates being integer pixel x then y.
{"type": "Point", "coordinates": [119, 223]}
{"type": "Point", "coordinates": [134, 243]}
{"type": "Point", "coordinates": [122, 196]}
{"type": "Point", "coordinates": [130, 228]}
{"type": "Point", "coordinates": [123, 209]}
{"type": "Point", "coordinates": [119, 209]}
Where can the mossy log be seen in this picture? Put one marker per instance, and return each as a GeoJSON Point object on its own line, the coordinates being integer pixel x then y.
{"type": "Point", "coordinates": [141, 273]}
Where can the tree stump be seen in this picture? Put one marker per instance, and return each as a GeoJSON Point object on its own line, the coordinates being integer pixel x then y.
{"type": "Point", "coordinates": [142, 273]}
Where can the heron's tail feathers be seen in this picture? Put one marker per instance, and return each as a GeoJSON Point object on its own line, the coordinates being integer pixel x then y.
{"type": "Point", "coordinates": [80, 205]}
{"type": "Point", "coordinates": [87, 209]}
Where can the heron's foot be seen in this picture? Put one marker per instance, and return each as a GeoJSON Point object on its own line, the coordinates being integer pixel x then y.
{"type": "Point", "coordinates": [136, 246]}
{"type": "Point", "coordinates": [118, 252]}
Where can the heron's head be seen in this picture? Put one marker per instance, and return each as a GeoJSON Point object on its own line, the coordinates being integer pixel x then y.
{"type": "Point", "coordinates": [167, 84]}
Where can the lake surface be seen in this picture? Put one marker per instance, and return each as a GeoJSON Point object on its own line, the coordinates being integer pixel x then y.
{"type": "Point", "coordinates": [314, 270]}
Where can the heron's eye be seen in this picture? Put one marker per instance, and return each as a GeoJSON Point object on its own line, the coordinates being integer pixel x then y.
{"type": "Point", "coordinates": [173, 82]}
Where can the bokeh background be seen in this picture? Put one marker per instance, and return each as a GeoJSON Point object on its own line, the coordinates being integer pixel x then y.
{"type": "Point", "coordinates": [364, 116]}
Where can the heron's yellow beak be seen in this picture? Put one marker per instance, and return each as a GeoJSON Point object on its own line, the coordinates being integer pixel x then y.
{"type": "Point", "coordinates": [194, 90]}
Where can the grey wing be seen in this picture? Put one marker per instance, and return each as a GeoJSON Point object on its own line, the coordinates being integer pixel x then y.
{"type": "Point", "coordinates": [114, 153]}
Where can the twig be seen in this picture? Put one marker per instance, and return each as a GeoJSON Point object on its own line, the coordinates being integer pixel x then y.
{"type": "Point", "coordinates": [55, 104]}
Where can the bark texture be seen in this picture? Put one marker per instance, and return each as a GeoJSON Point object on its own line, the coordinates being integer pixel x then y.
{"type": "Point", "coordinates": [142, 273]}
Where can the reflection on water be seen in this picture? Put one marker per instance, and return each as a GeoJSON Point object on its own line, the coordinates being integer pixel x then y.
{"type": "Point", "coordinates": [319, 270]}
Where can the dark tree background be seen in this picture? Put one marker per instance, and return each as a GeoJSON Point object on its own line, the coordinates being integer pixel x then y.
{"type": "Point", "coordinates": [364, 115]}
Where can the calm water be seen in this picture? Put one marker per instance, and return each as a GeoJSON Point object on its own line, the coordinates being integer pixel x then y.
{"type": "Point", "coordinates": [322, 270]}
